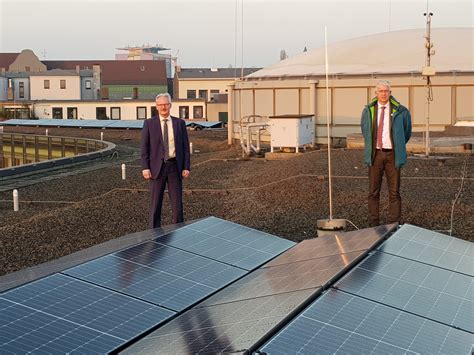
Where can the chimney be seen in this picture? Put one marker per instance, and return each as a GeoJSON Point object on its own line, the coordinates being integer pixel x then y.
{"type": "Point", "coordinates": [3, 71]}
{"type": "Point", "coordinates": [78, 69]}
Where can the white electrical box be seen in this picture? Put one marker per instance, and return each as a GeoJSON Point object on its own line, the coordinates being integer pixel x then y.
{"type": "Point", "coordinates": [291, 131]}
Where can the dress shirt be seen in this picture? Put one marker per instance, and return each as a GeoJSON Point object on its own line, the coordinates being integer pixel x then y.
{"type": "Point", "coordinates": [172, 150]}
{"type": "Point", "coordinates": [386, 140]}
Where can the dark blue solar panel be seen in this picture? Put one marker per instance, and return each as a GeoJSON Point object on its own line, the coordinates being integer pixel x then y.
{"type": "Point", "coordinates": [428, 291]}
{"type": "Point", "coordinates": [61, 314]}
{"type": "Point", "coordinates": [159, 274]}
{"type": "Point", "coordinates": [227, 242]}
{"type": "Point", "coordinates": [225, 328]}
{"type": "Point", "coordinates": [339, 323]}
{"type": "Point", "coordinates": [432, 248]}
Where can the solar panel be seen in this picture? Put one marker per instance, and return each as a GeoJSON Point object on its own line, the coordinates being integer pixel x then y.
{"type": "Point", "coordinates": [432, 248]}
{"type": "Point", "coordinates": [425, 290]}
{"type": "Point", "coordinates": [61, 314]}
{"type": "Point", "coordinates": [308, 274]}
{"type": "Point", "coordinates": [165, 276]}
{"type": "Point", "coordinates": [227, 242]}
{"type": "Point", "coordinates": [340, 323]}
{"type": "Point", "coordinates": [360, 240]}
{"type": "Point", "coordinates": [229, 327]}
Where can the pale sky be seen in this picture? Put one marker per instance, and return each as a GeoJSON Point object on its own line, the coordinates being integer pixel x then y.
{"type": "Point", "coordinates": [209, 33]}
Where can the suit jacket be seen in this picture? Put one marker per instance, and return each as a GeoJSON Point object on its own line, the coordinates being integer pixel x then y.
{"type": "Point", "coordinates": [152, 149]}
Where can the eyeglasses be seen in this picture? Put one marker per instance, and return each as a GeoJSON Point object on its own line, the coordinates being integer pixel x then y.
{"type": "Point", "coordinates": [163, 105]}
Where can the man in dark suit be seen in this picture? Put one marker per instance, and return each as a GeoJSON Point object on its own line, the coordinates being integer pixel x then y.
{"type": "Point", "coordinates": [165, 159]}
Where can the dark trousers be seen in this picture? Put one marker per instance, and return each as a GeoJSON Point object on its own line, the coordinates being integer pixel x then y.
{"type": "Point", "coordinates": [169, 175]}
{"type": "Point", "coordinates": [384, 163]}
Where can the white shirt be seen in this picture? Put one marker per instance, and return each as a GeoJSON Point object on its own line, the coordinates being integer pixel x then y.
{"type": "Point", "coordinates": [386, 141]}
{"type": "Point", "coordinates": [171, 146]}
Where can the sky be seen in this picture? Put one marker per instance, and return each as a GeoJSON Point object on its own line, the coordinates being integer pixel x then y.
{"type": "Point", "coordinates": [218, 33]}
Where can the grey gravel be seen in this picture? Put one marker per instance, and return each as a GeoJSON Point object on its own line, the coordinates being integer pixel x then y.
{"type": "Point", "coordinates": [284, 197]}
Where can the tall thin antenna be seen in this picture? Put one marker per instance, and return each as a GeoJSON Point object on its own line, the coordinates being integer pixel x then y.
{"type": "Point", "coordinates": [390, 16]}
{"type": "Point", "coordinates": [242, 33]}
{"type": "Point", "coordinates": [427, 72]}
{"type": "Point", "coordinates": [327, 121]}
{"type": "Point", "coordinates": [235, 39]}
{"type": "Point", "coordinates": [329, 226]}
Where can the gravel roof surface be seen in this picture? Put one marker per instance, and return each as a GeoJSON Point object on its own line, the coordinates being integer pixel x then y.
{"type": "Point", "coordinates": [284, 197]}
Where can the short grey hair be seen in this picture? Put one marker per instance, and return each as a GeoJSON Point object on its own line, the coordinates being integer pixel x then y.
{"type": "Point", "coordinates": [383, 83]}
{"type": "Point", "coordinates": [163, 94]}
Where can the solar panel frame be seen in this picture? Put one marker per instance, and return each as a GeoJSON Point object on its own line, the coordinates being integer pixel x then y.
{"type": "Point", "coordinates": [223, 328]}
{"type": "Point", "coordinates": [50, 306]}
{"type": "Point", "coordinates": [437, 294]}
{"type": "Point", "coordinates": [338, 322]}
{"type": "Point", "coordinates": [163, 275]}
{"type": "Point", "coordinates": [236, 245]}
{"type": "Point", "coordinates": [433, 248]}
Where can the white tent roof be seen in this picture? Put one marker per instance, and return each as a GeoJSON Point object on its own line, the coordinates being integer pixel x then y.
{"type": "Point", "coordinates": [385, 53]}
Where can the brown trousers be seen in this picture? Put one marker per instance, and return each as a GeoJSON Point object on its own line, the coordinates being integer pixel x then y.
{"type": "Point", "coordinates": [384, 162]}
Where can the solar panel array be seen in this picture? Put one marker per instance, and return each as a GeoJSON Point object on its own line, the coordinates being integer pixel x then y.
{"type": "Point", "coordinates": [410, 296]}
{"type": "Point", "coordinates": [92, 123]}
{"type": "Point", "coordinates": [102, 304]}
{"type": "Point", "coordinates": [238, 316]}
{"type": "Point", "coordinates": [215, 286]}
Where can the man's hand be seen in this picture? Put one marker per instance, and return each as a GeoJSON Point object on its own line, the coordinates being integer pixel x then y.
{"type": "Point", "coordinates": [146, 174]}
{"type": "Point", "coordinates": [185, 173]}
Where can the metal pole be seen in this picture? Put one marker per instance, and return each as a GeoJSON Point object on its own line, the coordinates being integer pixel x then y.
{"type": "Point", "coordinates": [124, 172]}
{"type": "Point", "coordinates": [327, 120]}
{"type": "Point", "coordinates": [191, 147]}
{"type": "Point", "coordinates": [16, 206]}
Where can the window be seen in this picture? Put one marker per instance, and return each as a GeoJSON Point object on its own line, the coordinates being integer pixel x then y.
{"type": "Point", "coordinates": [197, 112]}
{"type": "Point", "coordinates": [183, 111]}
{"type": "Point", "coordinates": [141, 113]}
{"type": "Point", "coordinates": [214, 94]}
{"type": "Point", "coordinates": [27, 69]}
{"type": "Point", "coordinates": [72, 113]}
{"type": "Point", "coordinates": [115, 113]}
{"type": "Point", "coordinates": [58, 113]}
{"type": "Point", "coordinates": [153, 111]}
{"type": "Point", "coordinates": [203, 94]}
{"type": "Point", "coordinates": [46, 84]}
{"type": "Point", "coordinates": [88, 84]}
{"type": "Point", "coordinates": [21, 90]}
{"type": "Point", "coordinates": [135, 93]}
{"type": "Point", "coordinates": [101, 113]}
{"type": "Point", "coordinates": [62, 84]}
{"type": "Point", "coordinates": [191, 94]}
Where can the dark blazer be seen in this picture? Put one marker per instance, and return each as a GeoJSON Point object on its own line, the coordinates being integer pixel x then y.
{"type": "Point", "coordinates": [152, 150]}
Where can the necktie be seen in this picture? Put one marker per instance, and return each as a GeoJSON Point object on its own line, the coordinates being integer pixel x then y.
{"type": "Point", "coordinates": [166, 143]}
{"type": "Point", "coordinates": [380, 128]}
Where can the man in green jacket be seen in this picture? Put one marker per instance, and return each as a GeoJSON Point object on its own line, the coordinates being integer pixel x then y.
{"type": "Point", "coordinates": [386, 126]}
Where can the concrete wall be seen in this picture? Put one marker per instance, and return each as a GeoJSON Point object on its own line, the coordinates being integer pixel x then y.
{"type": "Point", "coordinates": [71, 92]}
{"type": "Point", "coordinates": [3, 88]}
{"type": "Point", "coordinates": [452, 100]}
{"type": "Point", "coordinates": [88, 94]}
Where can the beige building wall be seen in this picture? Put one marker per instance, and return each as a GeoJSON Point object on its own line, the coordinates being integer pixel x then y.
{"type": "Point", "coordinates": [72, 90]}
{"type": "Point", "coordinates": [213, 110]}
{"type": "Point", "coordinates": [452, 100]}
{"type": "Point", "coordinates": [27, 61]}
{"type": "Point", "coordinates": [127, 110]}
{"type": "Point", "coordinates": [203, 84]}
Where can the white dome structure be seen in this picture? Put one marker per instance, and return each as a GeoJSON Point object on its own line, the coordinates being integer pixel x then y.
{"type": "Point", "coordinates": [385, 53]}
{"type": "Point", "coordinates": [297, 85]}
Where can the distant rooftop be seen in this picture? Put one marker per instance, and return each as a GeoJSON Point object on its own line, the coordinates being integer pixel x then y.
{"type": "Point", "coordinates": [213, 73]}
{"type": "Point", "coordinates": [145, 49]}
